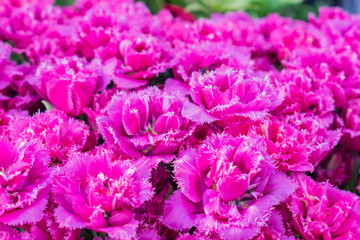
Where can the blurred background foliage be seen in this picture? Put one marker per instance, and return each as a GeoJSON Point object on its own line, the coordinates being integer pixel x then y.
{"type": "Point", "coordinates": [257, 8]}
{"type": "Point", "coordinates": [64, 2]}
{"type": "Point", "coordinates": [298, 9]}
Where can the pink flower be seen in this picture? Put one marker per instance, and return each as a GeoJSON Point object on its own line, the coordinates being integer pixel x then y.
{"type": "Point", "coordinates": [8, 69]}
{"type": "Point", "coordinates": [274, 229]}
{"type": "Point", "coordinates": [38, 29]}
{"type": "Point", "coordinates": [60, 134]}
{"type": "Point", "coordinates": [287, 145]}
{"type": "Point", "coordinates": [321, 211]}
{"type": "Point", "coordinates": [142, 57]}
{"type": "Point", "coordinates": [56, 44]}
{"type": "Point", "coordinates": [207, 56]}
{"type": "Point", "coordinates": [296, 142]}
{"type": "Point", "coordinates": [135, 11]}
{"type": "Point", "coordinates": [6, 120]}
{"type": "Point", "coordinates": [304, 95]}
{"type": "Point", "coordinates": [24, 180]}
{"type": "Point", "coordinates": [289, 35]}
{"type": "Point", "coordinates": [228, 187]}
{"type": "Point", "coordinates": [237, 27]}
{"type": "Point", "coordinates": [47, 228]}
{"type": "Point", "coordinates": [200, 133]}
{"type": "Point", "coordinates": [95, 31]}
{"type": "Point", "coordinates": [22, 3]}
{"type": "Point", "coordinates": [200, 30]}
{"type": "Point", "coordinates": [333, 22]}
{"type": "Point", "coordinates": [147, 122]}
{"type": "Point", "coordinates": [351, 117]}
{"type": "Point", "coordinates": [100, 31]}
{"type": "Point", "coordinates": [234, 27]}
{"type": "Point", "coordinates": [95, 193]}
{"type": "Point", "coordinates": [15, 91]}
{"type": "Point", "coordinates": [114, 152]}
{"type": "Point", "coordinates": [69, 83]}
{"type": "Point", "coordinates": [227, 94]}
{"type": "Point", "coordinates": [152, 228]}
{"type": "Point", "coordinates": [26, 99]}
{"type": "Point", "coordinates": [20, 95]}
{"type": "Point", "coordinates": [337, 167]}
{"type": "Point", "coordinates": [150, 213]}
{"type": "Point", "coordinates": [22, 25]}
{"type": "Point", "coordinates": [332, 72]}
{"type": "Point", "coordinates": [318, 133]}
{"type": "Point", "coordinates": [101, 100]}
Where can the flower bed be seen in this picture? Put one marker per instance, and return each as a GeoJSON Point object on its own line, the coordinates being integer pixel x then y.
{"type": "Point", "coordinates": [119, 124]}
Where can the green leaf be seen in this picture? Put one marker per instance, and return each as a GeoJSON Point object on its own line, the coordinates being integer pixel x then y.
{"type": "Point", "coordinates": [47, 105]}
{"type": "Point", "coordinates": [154, 5]}
{"type": "Point", "coordinates": [10, 42]}
{"type": "Point", "coordinates": [64, 2]}
{"type": "Point", "coordinates": [18, 58]}
{"type": "Point", "coordinates": [181, 3]}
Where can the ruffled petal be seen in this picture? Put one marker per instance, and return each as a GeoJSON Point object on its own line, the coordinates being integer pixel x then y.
{"type": "Point", "coordinates": [180, 212]}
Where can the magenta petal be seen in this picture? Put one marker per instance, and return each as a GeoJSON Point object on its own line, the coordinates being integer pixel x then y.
{"type": "Point", "coordinates": [60, 96]}
{"type": "Point", "coordinates": [97, 220]}
{"type": "Point", "coordinates": [165, 147]}
{"type": "Point", "coordinates": [196, 113]}
{"type": "Point", "coordinates": [129, 149]}
{"type": "Point", "coordinates": [148, 234]}
{"type": "Point", "coordinates": [211, 201]}
{"type": "Point", "coordinates": [232, 188]}
{"type": "Point", "coordinates": [180, 212]}
{"type": "Point", "coordinates": [30, 214]}
{"type": "Point", "coordinates": [241, 233]}
{"type": "Point", "coordinates": [6, 154]}
{"type": "Point", "coordinates": [37, 233]}
{"type": "Point", "coordinates": [167, 122]}
{"type": "Point", "coordinates": [120, 218]}
{"type": "Point", "coordinates": [68, 220]}
{"type": "Point", "coordinates": [125, 232]}
{"type": "Point", "coordinates": [109, 67]}
{"type": "Point", "coordinates": [175, 86]}
{"type": "Point", "coordinates": [107, 132]}
{"type": "Point", "coordinates": [131, 120]}
{"type": "Point", "coordinates": [128, 82]}
{"type": "Point", "coordinates": [277, 189]}
{"type": "Point", "coordinates": [69, 83]}
{"type": "Point", "coordinates": [189, 177]}
{"type": "Point", "coordinates": [145, 165]}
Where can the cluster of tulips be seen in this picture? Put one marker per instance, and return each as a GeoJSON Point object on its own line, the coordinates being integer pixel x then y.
{"type": "Point", "coordinates": [119, 124]}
